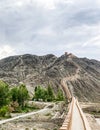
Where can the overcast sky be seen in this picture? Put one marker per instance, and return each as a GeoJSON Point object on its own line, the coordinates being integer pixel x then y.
{"type": "Point", "coordinates": [50, 26]}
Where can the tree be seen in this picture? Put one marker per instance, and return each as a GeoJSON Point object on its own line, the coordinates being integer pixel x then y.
{"type": "Point", "coordinates": [4, 93]}
{"type": "Point", "coordinates": [37, 94]}
{"type": "Point", "coordinates": [19, 94]}
{"type": "Point", "coordinates": [22, 95]}
{"type": "Point", "coordinates": [40, 93]}
{"type": "Point", "coordinates": [60, 96]}
{"type": "Point", "coordinates": [50, 94]}
{"type": "Point", "coordinates": [43, 94]}
{"type": "Point", "coordinates": [14, 94]}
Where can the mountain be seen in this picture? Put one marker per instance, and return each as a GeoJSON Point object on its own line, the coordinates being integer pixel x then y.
{"type": "Point", "coordinates": [83, 74]}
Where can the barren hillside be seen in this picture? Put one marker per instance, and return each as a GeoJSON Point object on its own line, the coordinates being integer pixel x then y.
{"type": "Point", "coordinates": [83, 74]}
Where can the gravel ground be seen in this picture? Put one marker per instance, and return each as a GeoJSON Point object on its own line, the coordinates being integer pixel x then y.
{"type": "Point", "coordinates": [49, 119]}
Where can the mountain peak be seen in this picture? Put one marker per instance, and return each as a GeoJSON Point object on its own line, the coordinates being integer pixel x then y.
{"type": "Point", "coordinates": [70, 55]}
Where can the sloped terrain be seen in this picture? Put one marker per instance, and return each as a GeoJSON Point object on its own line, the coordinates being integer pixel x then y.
{"type": "Point", "coordinates": [83, 74]}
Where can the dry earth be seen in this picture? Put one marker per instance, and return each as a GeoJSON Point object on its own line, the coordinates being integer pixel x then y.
{"type": "Point", "coordinates": [92, 111]}
{"type": "Point", "coordinates": [50, 119]}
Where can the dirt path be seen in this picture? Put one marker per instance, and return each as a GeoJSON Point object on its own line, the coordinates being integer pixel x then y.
{"type": "Point", "coordinates": [24, 115]}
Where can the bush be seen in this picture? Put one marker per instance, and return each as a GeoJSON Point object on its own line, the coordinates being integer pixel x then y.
{"type": "Point", "coordinates": [3, 111]}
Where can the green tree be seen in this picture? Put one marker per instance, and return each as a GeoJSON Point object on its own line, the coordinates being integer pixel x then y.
{"type": "Point", "coordinates": [19, 94]}
{"type": "Point", "coordinates": [50, 94]}
{"type": "Point", "coordinates": [40, 93]}
{"type": "Point", "coordinates": [4, 94]}
{"type": "Point", "coordinates": [60, 96]}
{"type": "Point", "coordinates": [14, 94]}
{"type": "Point", "coordinates": [44, 94]}
{"type": "Point", "coordinates": [22, 95]}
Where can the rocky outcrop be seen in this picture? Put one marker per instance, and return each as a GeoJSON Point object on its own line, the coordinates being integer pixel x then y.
{"type": "Point", "coordinates": [35, 70]}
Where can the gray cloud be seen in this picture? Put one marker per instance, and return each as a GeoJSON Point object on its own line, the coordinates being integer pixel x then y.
{"type": "Point", "coordinates": [37, 27]}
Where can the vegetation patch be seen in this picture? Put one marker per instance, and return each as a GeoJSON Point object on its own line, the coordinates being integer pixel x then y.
{"type": "Point", "coordinates": [47, 95]}
{"type": "Point", "coordinates": [15, 100]}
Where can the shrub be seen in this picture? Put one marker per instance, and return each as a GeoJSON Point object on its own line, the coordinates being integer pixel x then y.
{"type": "Point", "coordinates": [3, 111]}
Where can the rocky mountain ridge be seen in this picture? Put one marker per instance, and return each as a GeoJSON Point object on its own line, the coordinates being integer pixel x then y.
{"type": "Point", "coordinates": [32, 70]}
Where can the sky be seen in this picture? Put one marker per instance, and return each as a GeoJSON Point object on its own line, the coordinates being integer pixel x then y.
{"type": "Point", "coordinates": [50, 27]}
